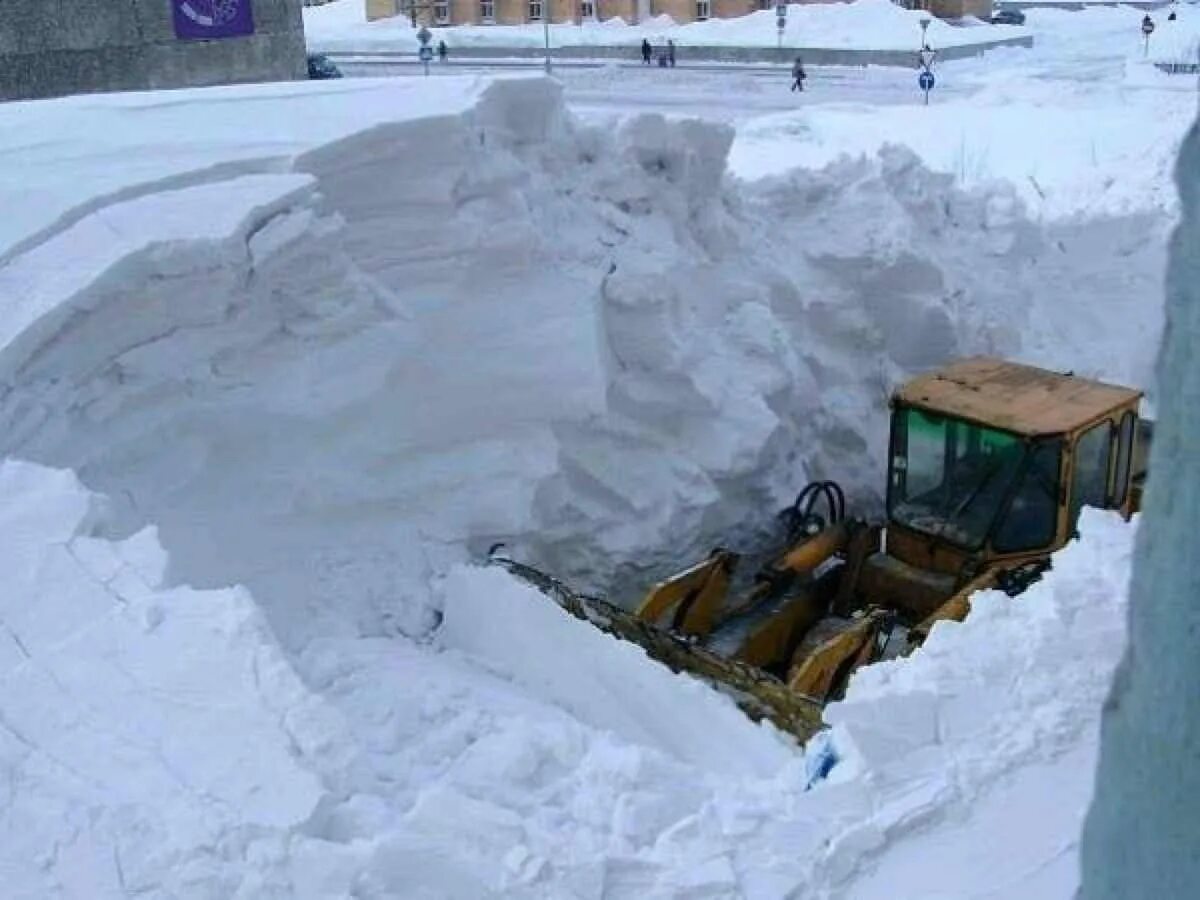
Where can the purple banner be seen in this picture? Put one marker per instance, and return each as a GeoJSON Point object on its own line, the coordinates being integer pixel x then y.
{"type": "Point", "coordinates": [202, 20]}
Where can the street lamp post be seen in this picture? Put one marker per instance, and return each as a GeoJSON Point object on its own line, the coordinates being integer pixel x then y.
{"type": "Point", "coordinates": [546, 30]}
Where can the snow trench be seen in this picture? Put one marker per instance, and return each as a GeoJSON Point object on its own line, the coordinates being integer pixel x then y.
{"type": "Point", "coordinates": [334, 382]}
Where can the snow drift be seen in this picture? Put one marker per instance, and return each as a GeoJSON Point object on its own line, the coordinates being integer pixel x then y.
{"type": "Point", "coordinates": [346, 347]}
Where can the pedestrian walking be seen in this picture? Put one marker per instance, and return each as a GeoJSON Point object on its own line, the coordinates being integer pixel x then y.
{"type": "Point", "coordinates": [646, 51]}
{"type": "Point", "coordinates": [798, 75]}
{"type": "Point", "coordinates": [671, 52]}
{"type": "Point", "coordinates": [443, 51]}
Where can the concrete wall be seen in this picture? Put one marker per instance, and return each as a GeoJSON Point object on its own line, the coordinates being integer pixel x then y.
{"type": "Point", "coordinates": [1143, 830]}
{"type": "Point", "coordinates": [54, 47]}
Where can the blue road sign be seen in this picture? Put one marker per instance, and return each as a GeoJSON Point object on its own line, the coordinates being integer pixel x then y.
{"type": "Point", "coordinates": [926, 80]}
{"type": "Point", "coordinates": [426, 54]}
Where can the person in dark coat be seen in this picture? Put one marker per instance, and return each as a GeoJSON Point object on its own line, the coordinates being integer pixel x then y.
{"type": "Point", "coordinates": [671, 52]}
{"type": "Point", "coordinates": [647, 50]}
{"type": "Point", "coordinates": [443, 51]}
{"type": "Point", "coordinates": [798, 75]}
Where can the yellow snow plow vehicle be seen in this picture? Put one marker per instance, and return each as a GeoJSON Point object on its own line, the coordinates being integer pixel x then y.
{"type": "Point", "coordinates": [989, 465]}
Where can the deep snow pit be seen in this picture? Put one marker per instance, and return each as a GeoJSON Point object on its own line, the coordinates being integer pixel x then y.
{"type": "Point", "coordinates": [334, 357]}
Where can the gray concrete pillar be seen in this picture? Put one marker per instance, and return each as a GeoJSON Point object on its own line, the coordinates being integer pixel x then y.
{"type": "Point", "coordinates": [1142, 837]}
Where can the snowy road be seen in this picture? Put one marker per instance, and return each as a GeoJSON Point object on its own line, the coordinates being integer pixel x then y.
{"type": "Point", "coordinates": [730, 93]}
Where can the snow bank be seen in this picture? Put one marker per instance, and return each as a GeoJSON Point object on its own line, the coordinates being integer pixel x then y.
{"type": "Point", "coordinates": [1113, 32]}
{"type": "Point", "coordinates": [1080, 125]}
{"type": "Point", "coordinates": [1069, 151]}
{"type": "Point", "coordinates": [861, 25]}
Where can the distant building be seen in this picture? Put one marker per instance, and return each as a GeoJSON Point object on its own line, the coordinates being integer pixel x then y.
{"type": "Point", "coordinates": [952, 9]}
{"type": "Point", "coordinates": [520, 12]}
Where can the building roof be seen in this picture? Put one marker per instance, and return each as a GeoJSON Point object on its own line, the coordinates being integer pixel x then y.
{"type": "Point", "coordinates": [1014, 397]}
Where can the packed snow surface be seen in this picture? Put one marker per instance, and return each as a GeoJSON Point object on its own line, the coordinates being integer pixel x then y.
{"type": "Point", "coordinates": [861, 25]}
{"type": "Point", "coordinates": [309, 349]}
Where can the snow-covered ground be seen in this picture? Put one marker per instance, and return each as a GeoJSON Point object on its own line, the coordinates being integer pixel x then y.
{"type": "Point", "coordinates": [861, 25]}
{"type": "Point", "coordinates": [308, 349]}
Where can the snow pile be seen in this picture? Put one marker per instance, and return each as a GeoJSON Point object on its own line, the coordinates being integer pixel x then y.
{"type": "Point", "coordinates": [861, 25]}
{"type": "Point", "coordinates": [623, 349]}
{"type": "Point", "coordinates": [357, 333]}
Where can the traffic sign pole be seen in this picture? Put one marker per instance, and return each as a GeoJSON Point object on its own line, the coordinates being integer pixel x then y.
{"type": "Point", "coordinates": [926, 81]}
{"type": "Point", "coordinates": [780, 21]}
{"type": "Point", "coordinates": [925, 58]}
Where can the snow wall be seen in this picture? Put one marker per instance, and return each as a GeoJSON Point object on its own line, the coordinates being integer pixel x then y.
{"type": "Point", "coordinates": [1148, 769]}
{"type": "Point", "coordinates": [327, 374]}
{"type": "Point", "coordinates": [332, 373]}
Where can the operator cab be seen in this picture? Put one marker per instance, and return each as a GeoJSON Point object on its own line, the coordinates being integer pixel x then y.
{"type": "Point", "coordinates": [993, 460]}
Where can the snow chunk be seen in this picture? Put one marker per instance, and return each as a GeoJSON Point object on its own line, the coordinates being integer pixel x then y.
{"type": "Point", "coordinates": [138, 728]}
{"type": "Point", "coordinates": [609, 684]}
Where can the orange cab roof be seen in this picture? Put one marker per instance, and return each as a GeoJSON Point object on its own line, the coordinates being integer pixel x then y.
{"type": "Point", "coordinates": [1014, 397]}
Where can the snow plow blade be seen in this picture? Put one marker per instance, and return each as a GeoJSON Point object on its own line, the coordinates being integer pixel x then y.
{"type": "Point", "coordinates": [757, 693]}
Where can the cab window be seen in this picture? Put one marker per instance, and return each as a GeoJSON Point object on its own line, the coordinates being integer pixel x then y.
{"type": "Point", "coordinates": [1089, 482]}
{"type": "Point", "coordinates": [1124, 460]}
{"type": "Point", "coordinates": [1031, 520]}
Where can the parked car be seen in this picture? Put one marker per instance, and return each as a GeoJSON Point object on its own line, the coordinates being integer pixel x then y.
{"type": "Point", "coordinates": [321, 66]}
{"type": "Point", "coordinates": [1008, 17]}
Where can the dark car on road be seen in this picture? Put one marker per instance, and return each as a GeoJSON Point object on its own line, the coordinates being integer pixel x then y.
{"type": "Point", "coordinates": [321, 66]}
{"type": "Point", "coordinates": [1008, 17]}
